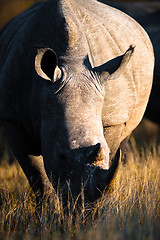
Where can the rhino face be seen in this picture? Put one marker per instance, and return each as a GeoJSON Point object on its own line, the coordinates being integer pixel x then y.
{"type": "Point", "coordinates": [73, 143]}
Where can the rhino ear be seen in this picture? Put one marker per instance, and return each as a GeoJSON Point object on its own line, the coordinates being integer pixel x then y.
{"type": "Point", "coordinates": [115, 67]}
{"type": "Point", "coordinates": [46, 64]}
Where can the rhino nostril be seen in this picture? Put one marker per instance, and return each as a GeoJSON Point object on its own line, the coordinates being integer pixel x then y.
{"type": "Point", "coordinates": [62, 156]}
{"type": "Point", "coordinates": [93, 152]}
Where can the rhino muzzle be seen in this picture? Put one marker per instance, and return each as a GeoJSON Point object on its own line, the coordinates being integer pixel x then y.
{"type": "Point", "coordinates": [84, 165]}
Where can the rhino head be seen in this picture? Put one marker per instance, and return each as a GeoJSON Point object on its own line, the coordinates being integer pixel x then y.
{"type": "Point", "coordinates": [73, 144]}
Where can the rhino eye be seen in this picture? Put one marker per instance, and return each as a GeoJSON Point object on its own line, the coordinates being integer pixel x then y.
{"type": "Point", "coordinates": [49, 63]}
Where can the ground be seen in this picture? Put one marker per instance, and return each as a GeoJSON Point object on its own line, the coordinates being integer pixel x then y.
{"type": "Point", "coordinates": [130, 210]}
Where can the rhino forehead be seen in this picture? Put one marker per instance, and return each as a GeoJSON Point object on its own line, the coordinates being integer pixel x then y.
{"type": "Point", "coordinates": [81, 93]}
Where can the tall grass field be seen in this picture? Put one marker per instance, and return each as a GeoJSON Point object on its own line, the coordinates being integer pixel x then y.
{"type": "Point", "coordinates": [129, 210]}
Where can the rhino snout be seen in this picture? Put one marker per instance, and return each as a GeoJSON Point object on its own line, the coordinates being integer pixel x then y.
{"type": "Point", "coordinates": [84, 165]}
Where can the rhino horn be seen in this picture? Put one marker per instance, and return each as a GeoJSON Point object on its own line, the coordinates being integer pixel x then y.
{"type": "Point", "coordinates": [115, 67]}
{"type": "Point", "coordinates": [100, 178]}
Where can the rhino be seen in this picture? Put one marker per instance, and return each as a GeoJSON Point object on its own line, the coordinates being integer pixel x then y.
{"type": "Point", "coordinates": [75, 79]}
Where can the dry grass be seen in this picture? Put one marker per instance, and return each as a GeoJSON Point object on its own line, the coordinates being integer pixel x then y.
{"type": "Point", "coordinates": [131, 209]}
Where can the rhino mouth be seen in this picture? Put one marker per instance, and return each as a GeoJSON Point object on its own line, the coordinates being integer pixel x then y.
{"type": "Point", "coordinates": [89, 173]}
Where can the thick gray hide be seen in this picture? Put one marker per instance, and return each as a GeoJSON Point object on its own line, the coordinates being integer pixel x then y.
{"type": "Point", "coordinates": [58, 94]}
{"type": "Point", "coordinates": [148, 15]}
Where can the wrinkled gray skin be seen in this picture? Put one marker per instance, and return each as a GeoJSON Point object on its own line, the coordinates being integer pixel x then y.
{"type": "Point", "coordinates": [70, 91]}
{"type": "Point", "coordinates": [148, 15]}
